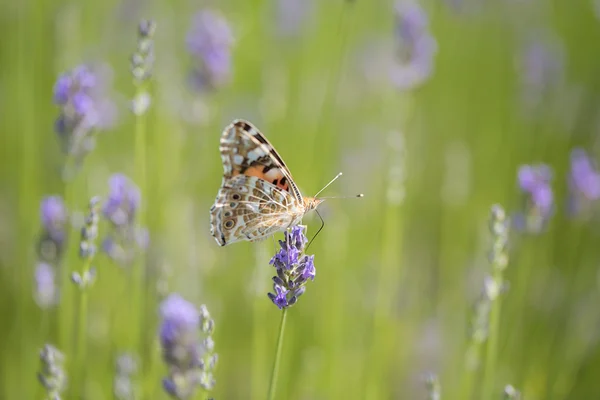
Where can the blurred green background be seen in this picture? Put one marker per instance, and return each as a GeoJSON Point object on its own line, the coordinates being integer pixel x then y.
{"type": "Point", "coordinates": [399, 272]}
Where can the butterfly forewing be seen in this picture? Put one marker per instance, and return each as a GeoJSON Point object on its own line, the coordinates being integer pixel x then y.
{"type": "Point", "coordinates": [245, 150]}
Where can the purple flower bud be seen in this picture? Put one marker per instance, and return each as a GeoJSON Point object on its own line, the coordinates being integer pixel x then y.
{"type": "Point", "coordinates": [309, 270]}
{"type": "Point", "coordinates": [280, 297]}
{"type": "Point", "coordinates": [62, 89]}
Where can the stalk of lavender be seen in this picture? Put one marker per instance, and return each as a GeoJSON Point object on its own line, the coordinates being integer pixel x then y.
{"type": "Point", "coordinates": [85, 110]}
{"type": "Point", "coordinates": [141, 67]}
{"type": "Point", "coordinates": [191, 362]}
{"type": "Point", "coordinates": [486, 319]}
{"type": "Point", "coordinates": [83, 281]}
{"type": "Point", "coordinates": [293, 269]}
{"type": "Point", "coordinates": [52, 375]}
{"type": "Point", "coordinates": [499, 259]}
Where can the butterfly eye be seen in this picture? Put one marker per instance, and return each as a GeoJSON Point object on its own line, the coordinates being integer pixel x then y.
{"type": "Point", "coordinates": [229, 224]}
{"type": "Point", "coordinates": [236, 196]}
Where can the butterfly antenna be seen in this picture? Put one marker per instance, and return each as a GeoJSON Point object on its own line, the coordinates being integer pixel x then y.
{"type": "Point", "coordinates": [320, 229]}
{"type": "Point", "coordinates": [330, 182]}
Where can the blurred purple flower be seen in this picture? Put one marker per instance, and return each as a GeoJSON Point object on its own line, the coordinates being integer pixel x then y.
{"type": "Point", "coordinates": [53, 214]}
{"type": "Point", "coordinates": [120, 208]}
{"type": "Point", "coordinates": [416, 46]}
{"type": "Point", "coordinates": [123, 200]}
{"type": "Point", "coordinates": [46, 291]}
{"type": "Point", "coordinates": [209, 41]}
{"type": "Point", "coordinates": [84, 108]}
{"type": "Point", "coordinates": [293, 268]}
{"type": "Point", "coordinates": [54, 219]}
{"type": "Point", "coordinates": [541, 68]}
{"type": "Point", "coordinates": [584, 183]}
{"type": "Point", "coordinates": [291, 16]}
{"type": "Point", "coordinates": [190, 361]}
{"type": "Point", "coordinates": [534, 182]}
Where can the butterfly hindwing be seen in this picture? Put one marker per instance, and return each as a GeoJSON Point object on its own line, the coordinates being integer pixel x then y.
{"type": "Point", "coordinates": [250, 208]}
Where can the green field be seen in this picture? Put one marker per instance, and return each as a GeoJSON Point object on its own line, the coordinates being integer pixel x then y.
{"type": "Point", "coordinates": [429, 112]}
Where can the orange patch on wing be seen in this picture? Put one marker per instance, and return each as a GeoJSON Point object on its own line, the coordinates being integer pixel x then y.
{"type": "Point", "coordinates": [273, 176]}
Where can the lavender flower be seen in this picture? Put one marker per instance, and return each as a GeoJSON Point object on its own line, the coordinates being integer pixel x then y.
{"type": "Point", "coordinates": [46, 291]}
{"type": "Point", "coordinates": [584, 183]}
{"type": "Point", "coordinates": [123, 387]}
{"type": "Point", "coordinates": [293, 267]}
{"type": "Point", "coordinates": [142, 63]}
{"type": "Point", "coordinates": [54, 218]}
{"type": "Point", "coordinates": [84, 109]}
{"type": "Point", "coordinates": [534, 182]}
{"type": "Point", "coordinates": [209, 41]}
{"type": "Point", "coordinates": [416, 46]}
{"type": "Point", "coordinates": [190, 361]}
{"type": "Point", "coordinates": [52, 375]}
{"type": "Point", "coordinates": [541, 68]}
{"type": "Point", "coordinates": [120, 208]}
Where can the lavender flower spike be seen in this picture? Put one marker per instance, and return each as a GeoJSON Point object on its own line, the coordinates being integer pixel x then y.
{"type": "Point", "coordinates": [190, 361]}
{"type": "Point", "coordinates": [416, 46]}
{"type": "Point", "coordinates": [209, 41]}
{"type": "Point", "coordinates": [293, 268]}
{"type": "Point", "coordinates": [52, 375]}
{"type": "Point", "coordinates": [584, 184]}
{"type": "Point", "coordinates": [120, 208]}
{"type": "Point", "coordinates": [142, 63]}
{"type": "Point", "coordinates": [84, 108]}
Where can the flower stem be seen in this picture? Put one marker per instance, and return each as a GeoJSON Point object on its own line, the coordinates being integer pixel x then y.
{"type": "Point", "coordinates": [138, 277]}
{"type": "Point", "coordinates": [275, 371]}
{"type": "Point", "coordinates": [81, 332]}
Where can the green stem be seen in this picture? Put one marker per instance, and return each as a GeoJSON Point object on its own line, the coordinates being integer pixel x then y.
{"type": "Point", "coordinates": [275, 371]}
{"type": "Point", "coordinates": [81, 327]}
{"type": "Point", "coordinates": [492, 341]}
{"type": "Point", "coordinates": [138, 274]}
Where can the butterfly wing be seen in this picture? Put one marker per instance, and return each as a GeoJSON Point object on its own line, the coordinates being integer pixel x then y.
{"type": "Point", "coordinates": [250, 208]}
{"type": "Point", "coordinates": [245, 151]}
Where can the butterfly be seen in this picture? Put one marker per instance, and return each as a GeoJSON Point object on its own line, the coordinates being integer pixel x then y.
{"type": "Point", "coordinates": [258, 196]}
